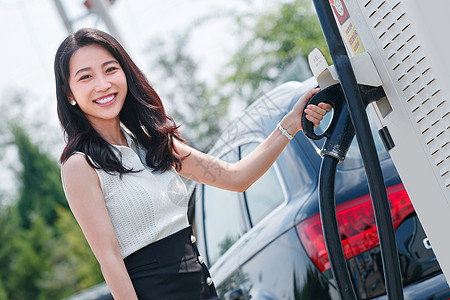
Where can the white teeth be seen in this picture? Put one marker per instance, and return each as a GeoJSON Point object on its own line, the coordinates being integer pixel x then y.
{"type": "Point", "coordinates": [105, 100]}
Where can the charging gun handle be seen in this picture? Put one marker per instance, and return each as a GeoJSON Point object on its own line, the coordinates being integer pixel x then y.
{"type": "Point", "coordinates": [340, 132]}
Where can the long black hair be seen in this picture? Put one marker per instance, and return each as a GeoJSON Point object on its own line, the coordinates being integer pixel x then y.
{"type": "Point", "coordinates": [143, 113]}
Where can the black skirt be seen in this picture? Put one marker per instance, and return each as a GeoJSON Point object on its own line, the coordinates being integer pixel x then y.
{"type": "Point", "coordinates": [171, 268]}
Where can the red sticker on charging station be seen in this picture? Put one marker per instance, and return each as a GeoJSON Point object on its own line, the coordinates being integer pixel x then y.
{"type": "Point", "coordinates": [347, 27]}
{"type": "Point", "coordinates": [340, 10]}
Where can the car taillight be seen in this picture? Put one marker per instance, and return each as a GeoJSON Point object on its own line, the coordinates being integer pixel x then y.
{"type": "Point", "coordinates": [357, 226]}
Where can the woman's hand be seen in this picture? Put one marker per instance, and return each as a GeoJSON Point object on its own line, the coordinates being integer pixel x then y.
{"type": "Point", "coordinates": [292, 122]}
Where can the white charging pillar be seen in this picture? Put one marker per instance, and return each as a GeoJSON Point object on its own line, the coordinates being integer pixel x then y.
{"type": "Point", "coordinates": [409, 44]}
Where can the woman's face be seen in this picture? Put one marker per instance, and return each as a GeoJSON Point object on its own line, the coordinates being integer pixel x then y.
{"type": "Point", "coordinates": [98, 84]}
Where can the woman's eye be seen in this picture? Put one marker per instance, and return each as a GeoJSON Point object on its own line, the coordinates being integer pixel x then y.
{"type": "Point", "coordinates": [110, 69]}
{"type": "Point", "coordinates": [85, 77]}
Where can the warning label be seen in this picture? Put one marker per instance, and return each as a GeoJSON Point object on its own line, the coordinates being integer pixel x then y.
{"type": "Point", "coordinates": [347, 27]}
{"type": "Point", "coordinates": [353, 38]}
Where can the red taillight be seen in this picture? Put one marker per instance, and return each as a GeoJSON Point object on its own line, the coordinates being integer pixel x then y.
{"type": "Point", "coordinates": [356, 224]}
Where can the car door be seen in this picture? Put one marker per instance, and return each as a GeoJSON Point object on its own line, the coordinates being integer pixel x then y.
{"type": "Point", "coordinates": [227, 218]}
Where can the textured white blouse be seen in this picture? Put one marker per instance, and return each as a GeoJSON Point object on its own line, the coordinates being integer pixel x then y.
{"type": "Point", "coordinates": [144, 207]}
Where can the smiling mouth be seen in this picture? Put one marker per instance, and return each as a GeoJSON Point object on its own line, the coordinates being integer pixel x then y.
{"type": "Point", "coordinates": [105, 100]}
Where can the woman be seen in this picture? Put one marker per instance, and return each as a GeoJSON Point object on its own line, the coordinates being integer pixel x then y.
{"type": "Point", "coordinates": [121, 167]}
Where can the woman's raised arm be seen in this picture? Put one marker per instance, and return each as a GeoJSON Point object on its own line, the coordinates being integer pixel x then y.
{"type": "Point", "coordinates": [242, 174]}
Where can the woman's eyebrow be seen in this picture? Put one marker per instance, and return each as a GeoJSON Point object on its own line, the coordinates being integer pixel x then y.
{"type": "Point", "coordinates": [110, 62]}
{"type": "Point", "coordinates": [103, 64]}
{"type": "Point", "coordinates": [82, 70]}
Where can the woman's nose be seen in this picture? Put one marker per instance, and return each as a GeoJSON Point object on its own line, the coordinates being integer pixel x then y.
{"type": "Point", "coordinates": [102, 84]}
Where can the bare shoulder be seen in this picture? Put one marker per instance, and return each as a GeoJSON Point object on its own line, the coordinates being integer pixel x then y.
{"type": "Point", "coordinates": [76, 170]}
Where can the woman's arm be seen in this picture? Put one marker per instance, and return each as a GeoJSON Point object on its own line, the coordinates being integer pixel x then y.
{"type": "Point", "coordinates": [242, 174]}
{"type": "Point", "coordinates": [83, 192]}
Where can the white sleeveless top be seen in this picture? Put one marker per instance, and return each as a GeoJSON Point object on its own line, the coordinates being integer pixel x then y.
{"type": "Point", "coordinates": [144, 207]}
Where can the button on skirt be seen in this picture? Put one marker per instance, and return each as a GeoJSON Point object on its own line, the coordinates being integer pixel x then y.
{"type": "Point", "coordinates": [171, 268]}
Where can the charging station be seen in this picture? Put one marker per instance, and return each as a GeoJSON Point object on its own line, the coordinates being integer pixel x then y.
{"type": "Point", "coordinates": [402, 45]}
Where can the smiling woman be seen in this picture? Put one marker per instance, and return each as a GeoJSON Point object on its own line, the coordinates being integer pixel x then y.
{"type": "Point", "coordinates": [89, 66]}
{"type": "Point", "coordinates": [121, 167]}
{"type": "Point", "coordinates": [98, 85]}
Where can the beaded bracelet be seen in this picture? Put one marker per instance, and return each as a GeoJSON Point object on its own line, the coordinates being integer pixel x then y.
{"type": "Point", "coordinates": [284, 132]}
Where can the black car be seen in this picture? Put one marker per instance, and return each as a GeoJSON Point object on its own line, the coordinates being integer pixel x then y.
{"type": "Point", "coordinates": [267, 242]}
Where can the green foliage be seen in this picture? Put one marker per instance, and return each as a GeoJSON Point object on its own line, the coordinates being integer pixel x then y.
{"type": "Point", "coordinates": [31, 257]}
{"type": "Point", "coordinates": [43, 253]}
{"type": "Point", "coordinates": [41, 188]}
{"type": "Point", "coordinates": [274, 47]}
{"type": "Point", "coordinates": [74, 266]}
{"type": "Point", "coordinates": [74, 255]}
{"type": "Point", "coordinates": [195, 106]}
{"type": "Point", "coordinates": [8, 229]}
{"type": "Point", "coordinates": [3, 295]}
{"type": "Point", "coordinates": [278, 40]}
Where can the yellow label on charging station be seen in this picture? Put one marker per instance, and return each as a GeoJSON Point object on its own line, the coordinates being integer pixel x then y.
{"type": "Point", "coordinates": [347, 26]}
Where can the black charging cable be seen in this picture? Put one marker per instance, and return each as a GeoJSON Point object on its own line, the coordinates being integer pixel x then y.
{"type": "Point", "coordinates": [357, 105]}
{"type": "Point", "coordinates": [339, 135]}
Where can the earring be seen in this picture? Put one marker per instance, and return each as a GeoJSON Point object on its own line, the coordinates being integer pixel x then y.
{"type": "Point", "coordinates": [73, 102]}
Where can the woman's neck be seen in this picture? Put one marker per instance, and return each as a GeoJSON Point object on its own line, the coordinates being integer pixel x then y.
{"type": "Point", "coordinates": [111, 132]}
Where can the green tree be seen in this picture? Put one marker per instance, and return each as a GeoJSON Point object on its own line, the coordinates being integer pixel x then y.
{"type": "Point", "coordinates": [277, 48]}
{"type": "Point", "coordinates": [8, 230]}
{"type": "Point", "coordinates": [77, 267]}
{"type": "Point", "coordinates": [74, 266]}
{"type": "Point", "coordinates": [3, 295]}
{"type": "Point", "coordinates": [274, 47]}
{"type": "Point", "coordinates": [198, 108]}
{"type": "Point", "coordinates": [41, 189]}
{"type": "Point", "coordinates": [31, 258]}
{"type": "Point", "coordinates": [43, 253]}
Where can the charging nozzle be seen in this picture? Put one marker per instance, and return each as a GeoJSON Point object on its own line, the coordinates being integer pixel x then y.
{"type": "Point", "coordinates": [340, 131]}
